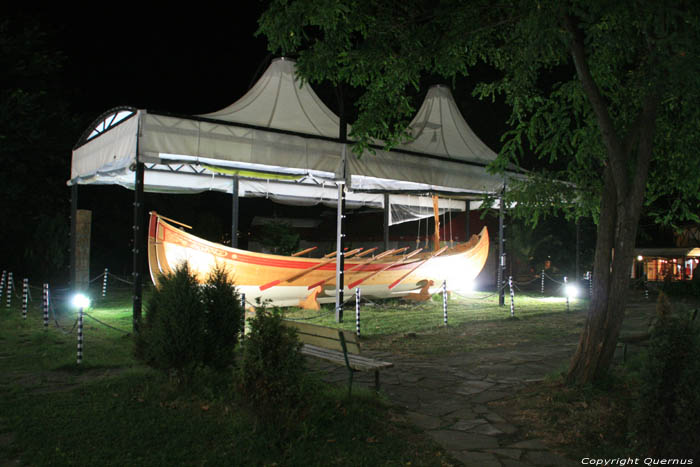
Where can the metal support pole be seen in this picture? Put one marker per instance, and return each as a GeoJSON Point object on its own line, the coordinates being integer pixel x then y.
{"type": "Point", "coordinates": [578, 250]}
{"type": "Point", "coordinates": [242, 315]}
{"type": "Point", "coordinates": [45, 305]}
{"type": "Point", "coordinates": [80, 336]}
{"type": "Point", "coordinates": [512, 297]}
{"type": "Point", "coordinates": [501, 251]}
{"type": "Point", "coordinates": [444, 302]}
{"type": "Point", "coordinates": [25, 297]}
{"type": "Point", "coordinates": [357, 310]}
{"type": "Point", "coordinates": [467, 213]}
{"type": "Point", "coordinates": [386, 221]}
{"type": "Point", "coordinates": [73, 237]}
{"type": "Point", "coordinates": [104, 282]}
{"type": "Point", "coordinates": [235, 209]}
{"type": "Point", "coordinates": [10, 288]}
{"type": "Point", "coordinates": [340, 255]}
{"type": "Point", "coordinates": [138, 244]}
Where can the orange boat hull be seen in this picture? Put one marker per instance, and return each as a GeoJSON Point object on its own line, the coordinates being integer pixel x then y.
{"type": "Point", "coordinates": [252, 272]}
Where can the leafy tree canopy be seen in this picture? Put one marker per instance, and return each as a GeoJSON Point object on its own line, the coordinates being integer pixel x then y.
{"type": "Point", "coordinates": [633, 49]}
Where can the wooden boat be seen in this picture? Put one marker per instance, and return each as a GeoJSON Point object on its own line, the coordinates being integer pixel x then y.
{"type": "Point", "coordinates": [306, 282]}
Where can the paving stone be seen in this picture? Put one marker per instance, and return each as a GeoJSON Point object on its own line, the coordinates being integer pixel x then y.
{"type": "Point", "coordinates": [546, 458]}
{"type": "Point", "coordinates": [513, 463]}
{"type": "Point", "coordinates": [441, 407]}
{"type": "Point", "coordinates": [480, 408]}
{"type": "Point", "coordinates": [424, 421]}
{"type": "Point", "coordinates": [468, 425]}
{"type": "Point", "coordinates": [533, 444]}
{"type": "Point", "coordinates": [510, 453]}
{"type": "Point", "coordinates": [493, 417]}
{"type": "Point", "coordinates": [476, 459]}
{"type": "Point", "coordinates": [473, 387]}
{"type": "Point", "coordinates": [487, 429]}
{"type": "Point", "coordinates": [489, 396]}
{"type": "Point", "coordinates": [460, 440]}
{"type": "Point", "coordinates": [506, 428]}
{"type": "Point", "coordinates": [465, 413]}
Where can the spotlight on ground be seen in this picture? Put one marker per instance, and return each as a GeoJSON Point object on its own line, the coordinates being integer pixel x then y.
{"type": "Point", "coordinates": [571, 291]}
{"type": "Point", "coordinates": [81, 301]}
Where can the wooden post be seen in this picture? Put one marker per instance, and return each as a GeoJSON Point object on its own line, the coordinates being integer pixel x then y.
{"type": "Point", "coordinates": [436, 215]}
{"type": "Point", "coordinates": [2, 283]}
{"type": "Point", "coordinates": [357, 311]}
{"type": "Point", "coordinates": [25, 297]}
{"type": "Point", "coordinates": [79, 357]}
{"type": "Point", "coordinates": [104, 282]}
{"type": "Point", "coordinates": [444, 302]}
{"type": "Point", "coordinates": [10, 288]}
{"type": "Point", "coordinates": [83, 231]}
{"type": "Point", "coordinates": [512, 297]}
{"type": "Point", "coordinates": [242, 316]}
{"type": "Point", "coordinates": [73, 236]}
{"type": "Point", "coordinates": [467, 212]}
{"type": "Point", "coordinates": [45, 305]}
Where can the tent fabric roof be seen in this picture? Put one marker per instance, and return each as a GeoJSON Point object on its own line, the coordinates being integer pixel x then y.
{"type": "Point", "coordinates": [278, 100]}
{"type": "Point", "coordinates": [439, 128]}
{"type": "Point", "coordinates": [282, 128]}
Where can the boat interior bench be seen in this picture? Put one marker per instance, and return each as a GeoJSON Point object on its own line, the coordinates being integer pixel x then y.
{"type": "Point", "coordinates": [336, 346]}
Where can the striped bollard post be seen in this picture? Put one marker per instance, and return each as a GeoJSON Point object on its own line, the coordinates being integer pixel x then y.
{"type": "Point", "coordinates": [542, 275]}
{"type": "Point", "coordinates": [590, 284]}
{"type": "Point", "coordinates": [104, 283]}
{"type": "Point", "coordinates": [444, 301]}
{"type": "Point", "coordinates": [10, 286]}
{"type": "Point", "coordinates": [566, 292]}
{"type": "Point", "coordinates": [80, 336]}
{"type": "Point", "coordinates": [2, 283]}
{"type": "Point", "coordinates": [25, 297]}
{"type": "Point", "coordinates": [242, 315]}
{"type": "Point", "coordinates": [45, 305]}
{"type": "Point", "coordinates": [512, 296]}
{"type": "Point", "coordinates": [357, 310]}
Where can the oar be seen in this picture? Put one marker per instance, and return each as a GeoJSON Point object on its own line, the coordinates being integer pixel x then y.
{"type": "Point", "coordinates": [303, 252]}
{"type": "Point", "coordinates": [297, 275]}
{"type": "Point", "coordinates": [361, 263]}
{"type": "Point", "coordinates": [359, 281]}
{"type": "Point", "coordinates": [420, 263]}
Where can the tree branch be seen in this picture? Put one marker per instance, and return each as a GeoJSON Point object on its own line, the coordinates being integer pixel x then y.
{"type": "Point", "coordinates": [616, 155]}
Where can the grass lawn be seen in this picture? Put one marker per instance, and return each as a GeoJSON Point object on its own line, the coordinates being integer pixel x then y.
{"type": "Point", "coordinates": [111, 410]}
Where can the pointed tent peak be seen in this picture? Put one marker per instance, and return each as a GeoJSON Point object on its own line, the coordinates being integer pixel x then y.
{"type": "Point", "coordinates": [439, 128]}
{"type": "Point", "coordinates": [278, 100]}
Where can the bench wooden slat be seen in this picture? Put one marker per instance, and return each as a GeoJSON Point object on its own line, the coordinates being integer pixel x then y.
{"type": "Point", "coordinates": [327, 344]}
{"type": "Point", "coordinates": [356, 361]}
{"type": "Point", "coordinates": [321, 331]}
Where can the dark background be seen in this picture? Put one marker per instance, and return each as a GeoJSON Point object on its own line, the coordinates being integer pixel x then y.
{"type": "Point", "coordinates": [80, 64]}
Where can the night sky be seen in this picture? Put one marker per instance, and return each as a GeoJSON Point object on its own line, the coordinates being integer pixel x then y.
{"type": "Point", "coordinates": [186, 61]}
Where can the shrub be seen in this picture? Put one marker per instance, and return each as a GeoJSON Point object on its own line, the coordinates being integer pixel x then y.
{"type": "Point", "coordinates": [668, 411]}
{"type": "Point", "coordinates": [272, 368]}
{"type": "Point", "coordinates": [188, 325]}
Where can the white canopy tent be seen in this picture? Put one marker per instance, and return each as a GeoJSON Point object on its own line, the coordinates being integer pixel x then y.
{"type": "Point", "coordinates": [281, 141]}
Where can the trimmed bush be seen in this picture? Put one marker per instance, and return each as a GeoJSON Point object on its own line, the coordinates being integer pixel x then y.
{"type": "Point", "coordinates": [272, 368]}
{"type": "Point", "coordinates": [668, 412]}
{"type": "Point", "coordinates": [188, 325]}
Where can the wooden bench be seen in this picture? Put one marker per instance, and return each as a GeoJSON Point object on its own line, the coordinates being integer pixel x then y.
{"type": "Point", "coordinates": [336, 346]}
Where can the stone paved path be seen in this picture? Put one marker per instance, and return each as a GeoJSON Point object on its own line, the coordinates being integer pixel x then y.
{"type": "Point", "coordinates": [448, 396]}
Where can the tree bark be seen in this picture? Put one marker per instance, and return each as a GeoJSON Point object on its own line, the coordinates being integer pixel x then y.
{"type": "Point", "coordinates": [620, 208]}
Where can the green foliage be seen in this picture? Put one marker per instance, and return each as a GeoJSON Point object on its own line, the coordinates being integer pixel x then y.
{"type": "Point", "coordinates": [188, 325]}
{"type": "Point", "coordinates": [668, 411]}
{"type": "Point", "coordinates": [272, 368]}
{"type": "Point", "coordinates": [280, 237]}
